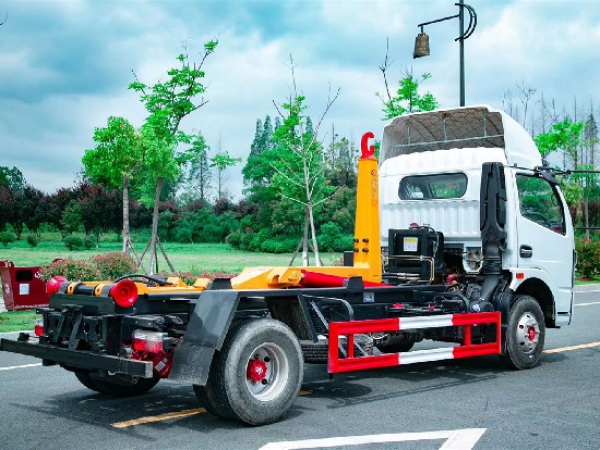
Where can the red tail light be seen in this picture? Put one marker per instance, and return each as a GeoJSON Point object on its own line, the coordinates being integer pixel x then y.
{"type": "Point", "coordinates": [124, 293]}
{"type": "Point", "coordinates": [39, 327]}
{"type": "Point", "coordinates": [147, 341]}
{"type": "Point", "coordinates": [54, 283]}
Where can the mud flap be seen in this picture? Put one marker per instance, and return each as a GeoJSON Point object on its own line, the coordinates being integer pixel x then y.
{"type": "Point", "coordinates": [212, 316]}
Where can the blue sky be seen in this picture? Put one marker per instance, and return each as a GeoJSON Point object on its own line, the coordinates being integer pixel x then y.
{"type": "Point", "coordinates": [65, 65]}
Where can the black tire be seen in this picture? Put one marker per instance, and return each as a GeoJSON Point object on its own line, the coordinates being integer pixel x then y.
{"type": "Point", "coordinates": [525, 334]}
{"type": "Point", "coordinates": [85, 379]}
{"type": "Point", "coordinates": [259, 348]}
{"type": "Point", "coordinates": [135, 386]}
{"type": "Point", "coordinates": [396, 348]}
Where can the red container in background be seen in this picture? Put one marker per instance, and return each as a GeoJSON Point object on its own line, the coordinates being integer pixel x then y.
{"type": "Point", "coordinates": [22, 287]}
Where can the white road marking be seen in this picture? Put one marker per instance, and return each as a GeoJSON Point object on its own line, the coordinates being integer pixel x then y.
{"type": "Point", "coordinates": [20, 367]}
{"type": "Point", "coordinates": [587, 304]}
{"type": "Point", "coordinates": [455, 440]}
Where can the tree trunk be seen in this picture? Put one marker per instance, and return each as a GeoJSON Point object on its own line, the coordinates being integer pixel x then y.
{"type": "Point", "coordinates": [154, 237]}
{"type": "Point", "coordinates": [126, 232]}
{"type": "Point", "coordinates": [314, 235]}
{"type": "Point", "coordinates": [305, 260]}
{"type": "Point", "coordinates": [587, 218]}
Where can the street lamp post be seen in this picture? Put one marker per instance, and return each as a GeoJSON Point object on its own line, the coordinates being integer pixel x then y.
{"type": "Point", "coordinates": [422, 40]}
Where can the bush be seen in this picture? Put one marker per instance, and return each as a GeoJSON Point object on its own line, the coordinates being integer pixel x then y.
{"type": "Point", "coordinates": [588, 257]}
{"type": "Point", "coordinates": [113, 265]}
{"type": "Point", "coordinates": [279, 245]}
{"type": "Point", "coordinates": [72, 270]}
{"type": "Point", "coordinates": [6, 237]}
{"type": "Point", "coordinates": [332, 239]}
{"type": "Point", "coordinates": [33, 240]}
{"type": "Point", "coordinates": [89, 242]}
{"type": "Point", "coordinates": [73, 243]}
{"type": "Point", "coordinates": [234, 239]}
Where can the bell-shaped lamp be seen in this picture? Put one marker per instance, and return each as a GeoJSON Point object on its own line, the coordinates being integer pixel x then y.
{"type": "Point", "coordinates": [421, 46]}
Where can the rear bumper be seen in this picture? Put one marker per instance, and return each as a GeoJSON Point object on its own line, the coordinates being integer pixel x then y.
{"type": "Point", "coordinates": [80, 359]}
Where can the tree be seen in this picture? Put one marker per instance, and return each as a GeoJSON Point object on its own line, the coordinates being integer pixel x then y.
{"type": "Point", "coordinates": [100, 210]}
{"type": "Point", "coordinates": [564, 136]}
{"type": "Point", "coordinates": [199, 176]}
{"type": "Point", "coordinates": [407, 98]}
{"type": "Point", "coordinates": [12, 178]}
{"type": "Point", "coordinates": [117, 156]}
{"type": "Point", "coordinates": [32, 202]}
{"type": "Point", "coordinates": [72, 217]}
{"type": "Point", "coordinates": [221, 161]}
{"type": "Point", "coordinates": [168, 104]}
{"type": "Point", "coordinates": [299, 162]}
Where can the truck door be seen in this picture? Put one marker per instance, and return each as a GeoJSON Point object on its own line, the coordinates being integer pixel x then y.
{"type": "Point", "coordinates": [544, 236]}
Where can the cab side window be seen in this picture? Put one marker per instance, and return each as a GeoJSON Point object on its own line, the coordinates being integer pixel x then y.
{"type": "Point", "coordinates": [539, 202]}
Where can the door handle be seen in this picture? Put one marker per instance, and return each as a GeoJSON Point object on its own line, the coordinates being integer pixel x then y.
{"type": "Point", "coordinates": [525, 251]}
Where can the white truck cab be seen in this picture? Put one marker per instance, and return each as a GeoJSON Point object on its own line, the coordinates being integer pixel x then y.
{"type": "Point", "coordinates": [431, 176]}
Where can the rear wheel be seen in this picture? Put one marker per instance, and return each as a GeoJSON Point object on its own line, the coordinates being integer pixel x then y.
{"type": "Point", "coordinates": [525, 334]}
{"type": "Point", "coordinates": [85, 379]}
{"type": "Point", "coordinates": [126, 387]}
{"type": "Point", "coordinates": [256, 376]}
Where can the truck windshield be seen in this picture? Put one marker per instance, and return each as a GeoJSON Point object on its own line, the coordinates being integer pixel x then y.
{"type": "Point", "coordinates": [539, 202]}
{"type": "Point", "coordinates": [434, 186]}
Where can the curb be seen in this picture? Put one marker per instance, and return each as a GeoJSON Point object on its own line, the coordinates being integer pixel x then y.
{"type": "Point", "coordinates": [587, 287]}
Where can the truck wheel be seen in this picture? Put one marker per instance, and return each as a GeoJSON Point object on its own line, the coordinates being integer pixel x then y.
{"type": "Point", "coordinates": [136, 386]}
{"type": "Point", "coordinates": [257, 375]}
{"type": "Point", "coordinates": [85, 379]}
{"type": "Point", "coordinates": [525, 334]}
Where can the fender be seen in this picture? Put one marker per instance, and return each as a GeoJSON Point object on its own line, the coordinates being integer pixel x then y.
{"type": "Point", "coordinates": [205, 333]}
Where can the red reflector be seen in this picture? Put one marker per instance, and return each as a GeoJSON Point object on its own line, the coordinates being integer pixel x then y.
{"type": "Point", "coordinates": [124, 293]}
{"type": "Point", "coordinates": [520, 276]}
{"type": "Point", "coordinates": [38, 329]}
{"type": "Point", "coordinates": [147, 341]}
{"type": "Point", "coordinates": [53, 284]}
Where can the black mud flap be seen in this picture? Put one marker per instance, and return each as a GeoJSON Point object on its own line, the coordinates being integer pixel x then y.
{"type": "Point", "coordinates": [205, 333]}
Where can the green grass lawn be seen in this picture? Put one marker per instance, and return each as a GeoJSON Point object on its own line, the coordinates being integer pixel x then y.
{"type": "Point", "coordinates": [17, 321]}
{"type": "Point", "coordinates": [194, 258]}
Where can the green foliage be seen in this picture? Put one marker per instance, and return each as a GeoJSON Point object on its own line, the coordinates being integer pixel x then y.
{"type": "Point", "coordinates": [113, 265]}
{"type": "Point", "coordinates": [32, 240]}
{"type": "Point", "coordinates": [89, 242]}
{"type": "Point", "coordinates": [407, 98]}
{"type": "Point", "coordinates": [117, 154]}
{"type": "Point", "coordinates": [73, 243]}
{"type": "Point", "coordinates": [72, 217]}
{"type": "Point", "coordinates": [565, 136]}
{"type": "Point", "coordinates": [12, 178]}
{"type": "Point", "coordinates": [7, 237]}
{"type": "Point", "coordinates": [588, 257]}
{"type": "Point", "coordinates": [332, 239]}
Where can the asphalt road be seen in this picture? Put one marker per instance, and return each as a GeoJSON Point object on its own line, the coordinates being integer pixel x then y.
{"type": "Point", "coordinates": [473, 403]}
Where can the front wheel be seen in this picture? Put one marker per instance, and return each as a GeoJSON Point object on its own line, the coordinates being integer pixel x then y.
{"type": "Point", "coordinates": [525, 334]}
{"type": "Point", "coordinates": [257, 375]}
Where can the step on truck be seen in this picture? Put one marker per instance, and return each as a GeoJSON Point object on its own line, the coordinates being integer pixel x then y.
{"type": "Point", "coordinates": [462, 237]}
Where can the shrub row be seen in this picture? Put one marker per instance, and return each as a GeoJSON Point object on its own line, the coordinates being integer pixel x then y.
{"type": "Point", "coordinates": [331, 239]}
{"type": "Point", "coordinates": [108, 266]}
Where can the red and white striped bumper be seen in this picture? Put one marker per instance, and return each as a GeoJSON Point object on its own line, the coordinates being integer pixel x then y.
{"type": "Point", "coordinates": [466, 350]}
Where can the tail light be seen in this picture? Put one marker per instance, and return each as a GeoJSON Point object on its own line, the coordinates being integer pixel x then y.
{"type": "Point", "coordinates": [124, 293]}
{"type": "Point", "coordinates": [39, 327]}
{"type": "Point", "coordinates": [148, 341]}
{"type": "Point", "coordinates": [54, 283]}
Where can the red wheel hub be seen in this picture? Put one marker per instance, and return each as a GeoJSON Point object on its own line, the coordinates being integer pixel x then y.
{"type": "Point", "coordinates": [257, 370]}
{"type": "Point", "coordinates": [531, 333]}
